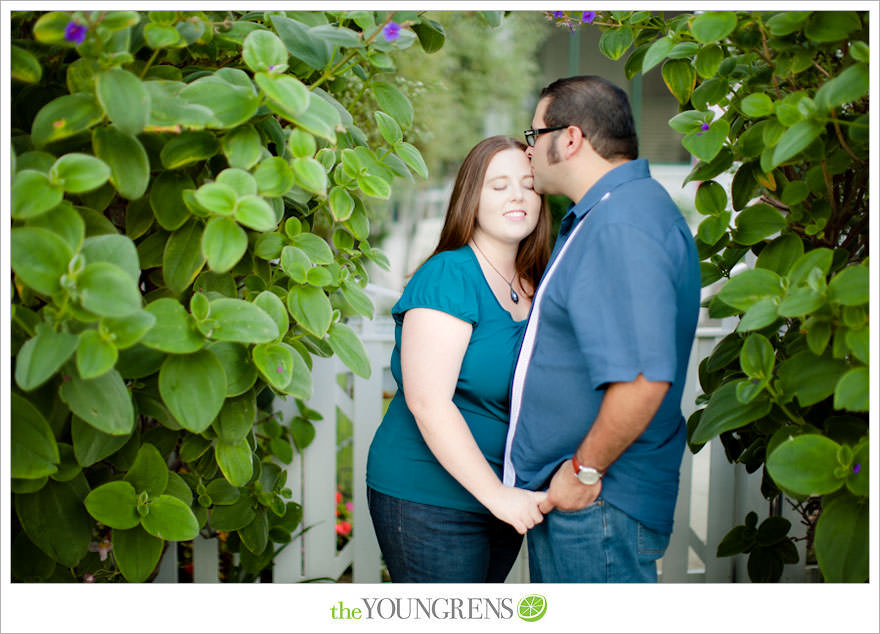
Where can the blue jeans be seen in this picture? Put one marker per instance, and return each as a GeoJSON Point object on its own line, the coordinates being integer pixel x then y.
{"type": "Point", "coordinates": [597, 544]}
{"type": "Point", "coordinates": [433, 544]}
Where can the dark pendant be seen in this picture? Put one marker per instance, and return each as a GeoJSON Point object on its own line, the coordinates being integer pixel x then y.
{"type": "Point", "coordinates": [513, 295]}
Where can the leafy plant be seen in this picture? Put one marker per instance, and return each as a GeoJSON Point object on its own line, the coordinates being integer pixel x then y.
{"type": "Point", "coordinates": [780, 101]}
{"type": "Point", "coordinates": [190, 214]}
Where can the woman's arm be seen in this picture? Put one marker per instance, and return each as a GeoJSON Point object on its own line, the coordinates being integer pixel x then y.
{"type": "Point", "coordinates": [433, 344]}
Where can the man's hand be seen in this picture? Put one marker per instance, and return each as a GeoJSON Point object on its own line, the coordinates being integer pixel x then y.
{"type": "Point", "coordinates": [568, 493]}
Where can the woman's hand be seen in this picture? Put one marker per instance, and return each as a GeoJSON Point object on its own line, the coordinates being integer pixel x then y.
{"type": "Point", "coordinates": [517, 507]}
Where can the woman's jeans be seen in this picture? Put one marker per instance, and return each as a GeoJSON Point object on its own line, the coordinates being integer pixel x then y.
{"type": "Point", "coordinates": [434, 544]}
{"type": "Point", "coordinates": [599, 543]}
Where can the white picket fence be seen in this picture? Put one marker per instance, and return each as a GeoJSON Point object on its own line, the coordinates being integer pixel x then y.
{"type": "Point", "coordinates": [714, 495]}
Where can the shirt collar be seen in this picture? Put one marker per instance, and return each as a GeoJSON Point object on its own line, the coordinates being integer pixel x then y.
{"type": "Point", "coordinates": [623, 173]}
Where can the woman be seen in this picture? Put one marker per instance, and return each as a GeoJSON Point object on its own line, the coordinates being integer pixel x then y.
{"type": "Point", "coordinates": [436, 499]}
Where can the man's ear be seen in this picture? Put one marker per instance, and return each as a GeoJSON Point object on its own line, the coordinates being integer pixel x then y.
{"type": "Point", "coordinates": [574, 141]}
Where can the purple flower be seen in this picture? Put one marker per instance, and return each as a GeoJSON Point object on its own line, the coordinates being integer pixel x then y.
{"type": "Point", "coordinates": [588, 16]}
{"type": "Point", "coordinates": [557, 14]}
{"type": "Point", "coordinates": [75, 33]}
{"type": "Point", "coordinates": [857, 468]}
{"type": "Point", "coordinates": [704, 127]}
{"type": "Point", "coordinates": [391, 31]}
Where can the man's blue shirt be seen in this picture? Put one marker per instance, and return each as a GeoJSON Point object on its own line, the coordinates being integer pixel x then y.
{"type": "Point", "coordinates": [623, 301]}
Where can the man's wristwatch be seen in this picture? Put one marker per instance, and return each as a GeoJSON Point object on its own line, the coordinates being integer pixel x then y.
{"type": "Point", "coordinates": [587, 475]}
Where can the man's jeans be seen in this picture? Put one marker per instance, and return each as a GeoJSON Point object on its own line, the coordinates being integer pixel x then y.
{"type": "Point", "coordinates": [434, 544]}
{"type": "Point", "coordinates": [599, 543]}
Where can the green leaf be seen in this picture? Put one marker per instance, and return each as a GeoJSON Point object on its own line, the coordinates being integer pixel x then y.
{"type": "Point", "coordinates": [137, 553]}
{"type": "Point", "coordinates": [687, 121]}
{"type": "Point", "coordinates": [712, 26]}
{"type": "Point", "coordinates": [725, 412]}
{"type": "Point", "coordinates": [615, 42]}
{"type": "Point", "coordinates": [394, 102]}
{"type": "Point", "coordinates": [303, 432]}
{"type": "Point", "coordinates": [235, 461]}
{"type": "Point", "coordinates": [656, 53]}
{"type": "Point", "coordinates": [94, 355]}
{"type": "Point", "coordinates": [159, 36]}
{"type": "Point", "coordinates": [263, 51]}
{"type": "Point", "coordinates": [431, 35]}
{"type": "Point", "coordinates": [810, 378]}
{"type": "Point", "coordinates": [757, 222]}
{"type": "Point", "coordinates": [287, 96]}
{"type": "Point", "coordinates": [851, 392]}
{"type": "Point", "coordinates": [170, 519]}
{"type": "Point", "coordinates": [255, 213]}
{"type": "Point", "coordinates": [243, 321]}
{"type": "Point", "coordinates": [388, 128]}
{"type": "Point", "coordinates": [124, 98]}
{"type": "Point", "coordinates": [65, 117]}
{"type": "Point", "coordinates": [757, 357]}
{"type": "Point", "coordinates": [193, 388]}
{"type": "Point", "coordinates": [786, 22]}
{"type": "Point", "coordinates": [242, 147]}
{"type": "Point", "coordinates": [232, 517]}
{"type": "Point", "coordinates": [706, 145]}
{"type": "Point", "coordinates": [56, 521]}
{"type": "Point", "coordinates": [126, 158]}
{"type": "Point", "coordinates": [816, 258]}
{"type": "Point", "coordinates": [107, 290]}
{"type": "Point", "coordinates": [412, 157]}
{"type": "Point", "coordinates": [743, 290]}
{"type": "Point", "coordinates": [841, 540]}
{"type": "Point", "coordinates": [794, 140]}
{"type": "Point", "coordinates": [223, 243]}
{"type": "Point", "coordinates": [103, 402]}
{"type": "Point", "coordinates": [217, 197]}
{"type": "Point", "coordinates": [711, 199]}
{"type": "Point", "coordinates": [182, 258]}
{"type": "Point", "coordinates": [275, 363]}
{"type": "Point", "coordinates": [805, 465]}
{"type": "Point", "coordinates": [759, 315]}
{"type": "Point", "coordinates": [274, 307]}
{"type": "Point", "coordinates": [357, 299]}
{"type": "Point", "coordinates": [713, 228]}
{"type": "Point", "coordinates": [314, 247]}
{"type": "Point", "coordinates": [39, 257]}
{"type": "Point", "coordinates": [24, 66]}
{"type": "Point", "coordinates": [114, 504]}
{"type": "Point", "coordinates": [91, 445]}
{"type": "Point", "coordinates": [240, 372]}
{"type": "Point", "coordinates": [680, 78]}
{"type": "Point", "coordinates": [301, 143]}
{"type": "Point", "coordinates": [310, 308]}
{"type": "Point", "coordinates": [221, 492]}
{"type": "Point", "coordinates": [780, 254]}
{"type": "Point", "coordinates": [255, 535]}
{"type": "Point", "coordinates": [302, 44]}
{"type": "Point", "coordinates": [33, 195]}
{"type": "Point", "coordinates": [149, 472]}
{"type": "Point", "coordinates": [341, 204]}
{"type": "Point", "coordinates": [237, 417]}
{"type": "Point", "coordinates": [310, 175]}
{"type": "Point", "coordinates": [115, 249]}
{"type": "Point", "coordinates": [757, 105]}
{"type": "Point", "coordinates": [166, 199]}
{"type": "Point", "coordinates": [738, 540]}
{"type": "Point", "coordinates": [41, 356]}
{"type": "Point", "coordinates": [830, 26]}
{"type": "Point", "coordinates": [34, 451]}
{"type": "Point", "coordinates": [708, 60]}
{"type": "Point", "coordinates": [800, 301]}
{"type": "Point", "coordinates": [320, 118]}
{"type": "Point", "coordinates": [175, 330]}
{"type": "Point", "coordinates": [274, 176]}
{"type": "Point", "coordinates": [850, 286]}
{"type": "Point", "coordinates": [188, 148]}
{"type": "Point", "coordinates": [348, 347]}
{"type": "Point", "coordinates": [230, 104]}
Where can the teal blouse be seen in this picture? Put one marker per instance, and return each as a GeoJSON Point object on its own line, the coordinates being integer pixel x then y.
{"type": "Point", "coordinates": [400, 464]}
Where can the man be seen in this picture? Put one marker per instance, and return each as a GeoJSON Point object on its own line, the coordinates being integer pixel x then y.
{"type": "Point", "coordinates": [595, 402]}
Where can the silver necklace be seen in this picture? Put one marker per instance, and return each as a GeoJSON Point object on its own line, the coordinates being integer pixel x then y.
{"type": "Point", "coordinates": [513, 294]}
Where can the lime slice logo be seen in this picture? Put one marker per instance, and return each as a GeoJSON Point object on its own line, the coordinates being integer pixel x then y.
{"type": "Point", "coordinates": [532, 607]}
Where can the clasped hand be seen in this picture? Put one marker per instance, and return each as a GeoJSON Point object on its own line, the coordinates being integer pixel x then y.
{"type": "Point", "coordinates": [518, 507]}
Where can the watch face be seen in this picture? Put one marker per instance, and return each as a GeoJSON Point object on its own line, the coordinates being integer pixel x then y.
{"type": "Point", "coordinates": [588, 476]}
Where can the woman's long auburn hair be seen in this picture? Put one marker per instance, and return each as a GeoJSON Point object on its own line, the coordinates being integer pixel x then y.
{"type": "Point", "coordinates": [461, 215]}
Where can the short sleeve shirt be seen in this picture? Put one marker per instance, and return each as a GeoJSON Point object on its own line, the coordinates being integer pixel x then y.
{"type": "Point", "coordinates": [623, 300]}
{"type": "Point", "coordinates": [400, 463]}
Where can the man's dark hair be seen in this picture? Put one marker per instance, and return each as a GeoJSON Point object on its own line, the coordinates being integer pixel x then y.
{"type": "Point", "coordinates": [599, 108]}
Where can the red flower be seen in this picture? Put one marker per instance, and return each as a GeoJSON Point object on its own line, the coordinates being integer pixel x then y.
{"type": "Point", "coordinates": [338, 497]}
{"type": "Point", "coordinates": [343, 528]}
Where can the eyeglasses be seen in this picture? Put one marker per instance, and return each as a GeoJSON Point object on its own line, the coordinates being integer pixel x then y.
{"type": "Point", "coordinates": [532, 135]}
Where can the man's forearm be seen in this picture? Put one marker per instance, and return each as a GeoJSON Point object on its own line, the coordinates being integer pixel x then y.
{"type": "Point", "coordinates": [626, 411]}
